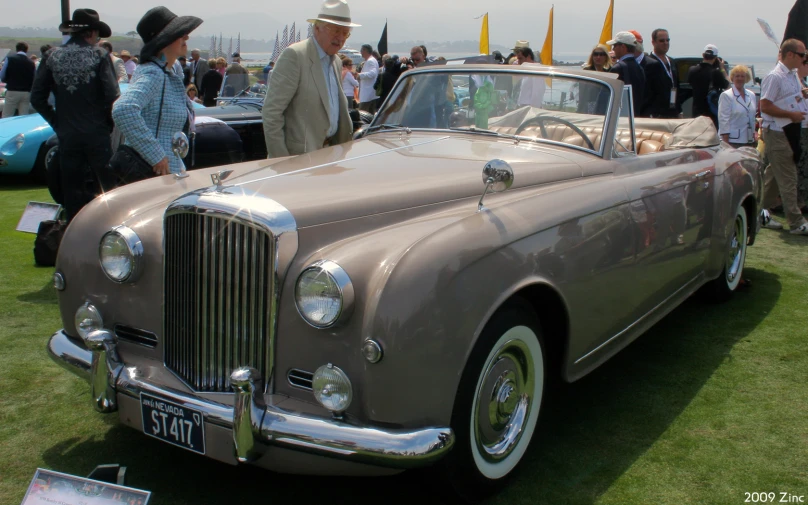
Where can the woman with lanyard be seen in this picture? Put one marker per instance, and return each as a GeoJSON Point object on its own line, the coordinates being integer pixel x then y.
{"type": "Point", "coordinates": [154, 107]}
{"type": "Point", "coordinates": [736, 110]}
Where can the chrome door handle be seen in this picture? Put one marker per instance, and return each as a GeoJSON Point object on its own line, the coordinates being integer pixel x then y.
{"type": "Point", "coordinates": [703, 174]}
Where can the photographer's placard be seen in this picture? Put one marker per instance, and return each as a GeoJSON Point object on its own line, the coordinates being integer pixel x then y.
{"type": "Point", "coordinates": [35, 213]}
{"type": "Point", "coordinates": [49, 487]}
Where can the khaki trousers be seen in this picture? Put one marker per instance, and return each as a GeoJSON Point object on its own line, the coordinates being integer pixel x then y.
{"type": "Point", "coordinates": [17, 103]}
{"type": "Point", "coordinates": [781, 174]}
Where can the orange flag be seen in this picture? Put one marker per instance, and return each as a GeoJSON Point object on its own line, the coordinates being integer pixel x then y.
{"type": "Point", "coordinates": [546, 54]}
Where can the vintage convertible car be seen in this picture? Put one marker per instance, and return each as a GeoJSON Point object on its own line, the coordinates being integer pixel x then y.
{"type": "Point", "coordinates": [402, 299]}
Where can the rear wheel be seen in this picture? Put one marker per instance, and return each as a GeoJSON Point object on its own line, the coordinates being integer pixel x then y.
{"type": "Point", "coordinates": [498, 402]}
{"type": "Point", "coordinates": [721, 288]}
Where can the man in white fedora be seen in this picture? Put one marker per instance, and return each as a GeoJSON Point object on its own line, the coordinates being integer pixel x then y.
{"type": "Point", "coordinates": [305, 108]}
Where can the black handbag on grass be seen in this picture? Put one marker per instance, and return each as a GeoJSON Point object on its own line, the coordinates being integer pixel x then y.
{"type": "Point", "coordinates": [46, 244]}
{"type": "Point", "coordinates": [127, 165]}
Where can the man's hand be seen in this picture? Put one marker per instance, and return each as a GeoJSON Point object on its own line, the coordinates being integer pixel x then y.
{"type": "Point", "coordinates": [796, 116]}
{"type": "Point", "coordinates": [161, 168]}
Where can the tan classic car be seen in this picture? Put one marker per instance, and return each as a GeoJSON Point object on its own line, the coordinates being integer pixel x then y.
{"type": "Point", "coordinates": [401, 300]}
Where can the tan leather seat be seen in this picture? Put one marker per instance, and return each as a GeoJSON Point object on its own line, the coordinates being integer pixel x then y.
{"type": "Point", "coordinates": [648, 141]}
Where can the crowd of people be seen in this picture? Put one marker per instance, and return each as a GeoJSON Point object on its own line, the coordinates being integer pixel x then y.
{"type": "Point", "coordinates": [75, 88]}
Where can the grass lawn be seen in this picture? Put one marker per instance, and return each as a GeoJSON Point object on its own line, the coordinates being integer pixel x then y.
{"type": "Point", "coordinates": [710, 404]}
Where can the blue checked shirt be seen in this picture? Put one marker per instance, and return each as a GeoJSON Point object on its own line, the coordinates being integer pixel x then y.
{"type": "Point", "coordinates": [333, 89]}
{"type": "Point", "coordinates": [136, 112]}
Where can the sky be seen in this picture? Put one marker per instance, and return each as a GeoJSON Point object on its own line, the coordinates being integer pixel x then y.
{"type": "Point", "coordinates": [730, 25]}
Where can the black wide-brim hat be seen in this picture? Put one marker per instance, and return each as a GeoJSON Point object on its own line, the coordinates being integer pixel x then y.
{"type": "Point", "coordinates": [159, 27]}
{"type": "Point", "coordinates": [85, 19]}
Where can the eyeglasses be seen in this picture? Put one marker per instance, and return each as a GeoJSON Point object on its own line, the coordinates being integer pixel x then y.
{"type": "Point", "coordinates": [664, 40]}
{"type": "Point", "coordinates": [340, 31]}
{"type": "Point", "coordinates": [596, 55]}
{"type": "Point", "coordinates": [801, 55]}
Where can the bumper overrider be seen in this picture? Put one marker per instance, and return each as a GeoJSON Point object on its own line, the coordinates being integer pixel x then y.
{"type": "Point", "coordinates": [255, 425]}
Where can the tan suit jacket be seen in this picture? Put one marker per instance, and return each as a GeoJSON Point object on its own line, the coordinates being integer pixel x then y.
{"type": "Point", "coordinates": [296, 105]}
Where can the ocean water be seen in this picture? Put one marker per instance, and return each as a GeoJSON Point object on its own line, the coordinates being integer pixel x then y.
{"type": "Point", "coordinates": [763, 65]}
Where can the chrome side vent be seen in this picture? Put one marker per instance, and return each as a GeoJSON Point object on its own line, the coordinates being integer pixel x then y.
{"type": "Point", "coordinates": [137, 336]}
{"type": "Point", "coordinates": [300, 379]}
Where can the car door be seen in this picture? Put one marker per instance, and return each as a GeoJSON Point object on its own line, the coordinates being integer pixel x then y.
{"type": "Point", "coordinates": [671, 206]}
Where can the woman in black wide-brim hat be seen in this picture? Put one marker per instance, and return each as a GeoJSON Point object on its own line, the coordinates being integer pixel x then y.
{"type": "Point", "coordinates": [154, 107]}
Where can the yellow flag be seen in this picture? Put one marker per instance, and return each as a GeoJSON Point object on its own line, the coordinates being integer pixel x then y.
{"type": "Point", "coordinates": [547, 49]}
{"type": "Point", "coordinates": [484, 35]}
{"type": "Point", "coordinates": [606, 34]}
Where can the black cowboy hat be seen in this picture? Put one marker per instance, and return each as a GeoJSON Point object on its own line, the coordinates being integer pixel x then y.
{"type": "Point", "coordinates": [160, 27]}
{"type": "Point", "coordinates": [85, 19]}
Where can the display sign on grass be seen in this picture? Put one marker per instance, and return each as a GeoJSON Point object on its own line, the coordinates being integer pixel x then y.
{"type": "Point", "coordinates": [49, 487]}
{"type": "Point", "coordinates": [35, 213]}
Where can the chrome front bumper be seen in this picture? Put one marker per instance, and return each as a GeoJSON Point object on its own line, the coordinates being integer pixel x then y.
{"type": "Point", "coordinates": [254, 425]}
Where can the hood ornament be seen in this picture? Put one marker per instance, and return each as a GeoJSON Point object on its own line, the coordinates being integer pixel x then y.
{"type": "Point", "coordinates": [218, 178]}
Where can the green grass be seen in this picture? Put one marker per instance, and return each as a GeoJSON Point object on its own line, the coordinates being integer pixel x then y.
{"type": "Point", "coordinates": [710, 404]}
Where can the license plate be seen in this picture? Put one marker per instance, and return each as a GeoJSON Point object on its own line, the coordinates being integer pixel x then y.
{"type": "Point", "coordinates": [172, 423]}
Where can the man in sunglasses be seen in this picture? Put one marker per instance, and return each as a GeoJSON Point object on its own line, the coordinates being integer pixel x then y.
{"type": "Point", "coordinates": [661, 87]}
{"type": "Point", "coordinates": [783, 108]}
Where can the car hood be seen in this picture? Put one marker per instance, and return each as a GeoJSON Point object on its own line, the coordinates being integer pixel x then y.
{"type": "Point", "coordinates": [382, 173]}
{"type": "Point", "coordinates": [386, 172]}
{"type": "Point", "coordinates": [21, 124]}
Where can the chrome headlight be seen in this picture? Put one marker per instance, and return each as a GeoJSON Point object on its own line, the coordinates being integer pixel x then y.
{"type": "Point", "coordinates": [324, 294]}
{"type": "Point", "coordinates": [121, 254]}
{"type": "Point", "coordinates": [13, 145]}
{"type": "Point", "coordinates": [88, 319]}
{"type": "Point", "coordinates": [332, 388]}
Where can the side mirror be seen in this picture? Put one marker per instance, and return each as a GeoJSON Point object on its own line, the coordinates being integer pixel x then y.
{"type": "Point", "coordinates": [497, 177]}
{"type": "Point", "coordinates": [179, 145]}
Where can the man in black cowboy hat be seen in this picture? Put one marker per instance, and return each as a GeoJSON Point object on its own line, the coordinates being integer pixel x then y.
{"type": "Point", "coordinates": [82, 79]}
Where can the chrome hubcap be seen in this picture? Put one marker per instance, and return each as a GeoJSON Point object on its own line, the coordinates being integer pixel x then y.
{"type": "Point", "coordinates": [735, 253]}
{"type": "Point", "coordinates": [504, 400]}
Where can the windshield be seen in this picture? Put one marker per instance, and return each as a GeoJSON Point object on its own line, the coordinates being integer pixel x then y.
{"type": "Point", "coordinates": [565, 109]}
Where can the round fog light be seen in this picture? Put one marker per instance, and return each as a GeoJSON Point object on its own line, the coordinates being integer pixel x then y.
{"type": "Point", "coordinates": [88, 319]}
{"type": "Point", "coordinates": [332, 388]}
{"type": "Point", "coordinates": [372, 351]}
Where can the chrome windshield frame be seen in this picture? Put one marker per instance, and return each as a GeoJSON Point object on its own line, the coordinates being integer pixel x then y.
{"type": "Point", "coordinates": [534, 71]}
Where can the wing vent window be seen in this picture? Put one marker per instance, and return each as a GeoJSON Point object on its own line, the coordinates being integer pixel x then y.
{"type": "Point", "coordinates": [300, 379]}
{"type": "Point", "coordinates": [142, 337]}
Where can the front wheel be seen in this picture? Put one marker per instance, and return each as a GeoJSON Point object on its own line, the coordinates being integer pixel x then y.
{"type": "Point", "coordinates": [498, 402]}
{"type": "Point", "coordinates": [721, 288]}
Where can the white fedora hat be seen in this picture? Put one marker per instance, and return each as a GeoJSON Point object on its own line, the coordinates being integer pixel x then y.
{"type": "Point", "coordinates": [335, 12]}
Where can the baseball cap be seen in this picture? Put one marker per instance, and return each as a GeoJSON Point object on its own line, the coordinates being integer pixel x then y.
{"type": "Point", "coordinates": [626, 38]}
{"type": "Point", "coordinates": [236, 55]}
{"type": "Point", "coordinates": [711, 50]}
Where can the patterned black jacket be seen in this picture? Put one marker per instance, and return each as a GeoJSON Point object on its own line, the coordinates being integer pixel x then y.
{"type": "Point", "coordinates": [82, 78]}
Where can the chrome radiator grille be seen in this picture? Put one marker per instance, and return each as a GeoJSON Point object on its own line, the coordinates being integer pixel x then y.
{"type": "Point", "coordinates": [218, 299]}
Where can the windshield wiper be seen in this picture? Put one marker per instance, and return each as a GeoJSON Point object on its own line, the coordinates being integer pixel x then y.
{"type": "Point", "coordinates": [386, 126]}
{"type": "Point", "coordinates": [474, 129]}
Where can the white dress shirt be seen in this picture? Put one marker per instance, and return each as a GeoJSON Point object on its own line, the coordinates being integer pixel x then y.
{"type": "Point", "coordinates": [367, 79]}
{"type": "Point", "coordinates": [781, 86]}
{"type": "Point", "coordinates": [736, 115]}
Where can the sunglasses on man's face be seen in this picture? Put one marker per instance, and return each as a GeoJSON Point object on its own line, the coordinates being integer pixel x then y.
{"type": "Point", "coordinates": [801, 55]}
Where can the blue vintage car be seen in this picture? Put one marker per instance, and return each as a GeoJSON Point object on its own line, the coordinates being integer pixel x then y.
{"type": "Point", "coordinates": [23, 148]}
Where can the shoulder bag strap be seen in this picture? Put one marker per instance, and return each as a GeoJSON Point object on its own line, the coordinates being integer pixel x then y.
{"type": "Point", "coordinates": [162, 96]}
